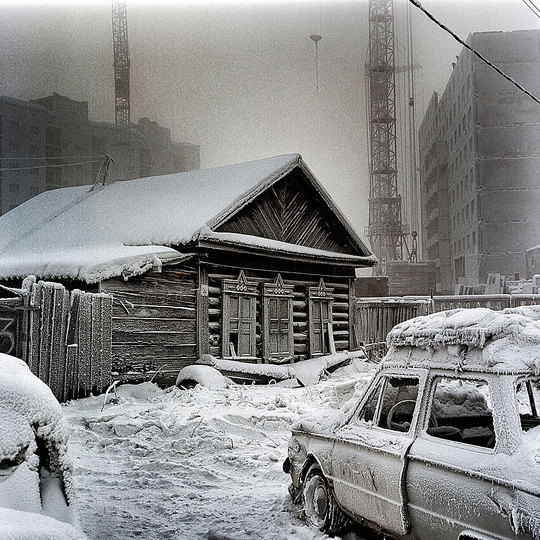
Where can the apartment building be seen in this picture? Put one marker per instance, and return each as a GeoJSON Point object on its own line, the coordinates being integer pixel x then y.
{"type": "Point", "coordinates": [479, 148]}
{"type": "Point", "coordinates": [50, 142]}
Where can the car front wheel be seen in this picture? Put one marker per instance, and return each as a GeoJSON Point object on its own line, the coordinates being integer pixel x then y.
{"type": "Point", "coordinates": [320, 505]}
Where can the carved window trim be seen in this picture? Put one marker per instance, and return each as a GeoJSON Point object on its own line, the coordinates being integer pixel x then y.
{"type": "Point", "coordinates": [320, 300]}
{"type": "Point", "coordinates": [277, 291]}
{"type": "Point", "coordinates": [245, 292]}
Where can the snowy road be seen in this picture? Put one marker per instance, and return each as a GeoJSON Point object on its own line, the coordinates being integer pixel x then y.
{"type": "Point", "coordinates": [183, 463]}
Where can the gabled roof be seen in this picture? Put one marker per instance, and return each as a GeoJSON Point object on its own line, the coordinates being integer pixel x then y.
{"type": "Point", "coordinates": [78, 233]}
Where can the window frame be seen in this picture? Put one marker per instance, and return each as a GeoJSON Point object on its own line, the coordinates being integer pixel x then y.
{"type": "Point", "coordinates": [533, 402]}
{"type": "Point", "coordinates": [424, 422]}
{"type": "Point", "coordinates": [322, 295]}
{"type": "Point", "coordinates": [279, 291]}
{"type": "Point", "coordinates": [380, 386]}
{"type": "Point", "coordinates": [240, 288]}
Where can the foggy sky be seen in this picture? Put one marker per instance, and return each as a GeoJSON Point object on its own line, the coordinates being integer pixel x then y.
{"type": "Point", "coordinates": [238, 78]}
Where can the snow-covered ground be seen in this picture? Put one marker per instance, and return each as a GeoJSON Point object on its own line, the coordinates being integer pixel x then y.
{"type": "Point", "coordinates": [193, 464]}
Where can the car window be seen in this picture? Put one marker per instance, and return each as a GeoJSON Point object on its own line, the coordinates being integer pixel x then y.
{"type": "Point", "coordinates": [392, 403]}
{"type": "Point", "coordinates": [528, 400]}
{"type": "Point", "coordinates": [461, 410]}
{"type": "Point", "coordinates": [367, 412]}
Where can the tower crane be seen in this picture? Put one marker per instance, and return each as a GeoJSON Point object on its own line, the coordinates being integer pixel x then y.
{"type": "Point", "coordinates": [385, 231]}
{"type": "Point", "coordinates": [121, 64]}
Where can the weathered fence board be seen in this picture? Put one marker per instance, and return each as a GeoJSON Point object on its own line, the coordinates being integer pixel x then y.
{"type": "Point", "coordinates": [375, 317]}
{"type": "Point", "coordinates": [68, 338]}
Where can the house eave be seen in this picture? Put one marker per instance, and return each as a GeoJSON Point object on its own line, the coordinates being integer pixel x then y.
{"type": "Point", "coordinates": [270, 248]}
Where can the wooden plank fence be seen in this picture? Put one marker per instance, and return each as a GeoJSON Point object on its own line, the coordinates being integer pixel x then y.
{"type": "Point", "coordinates": [375, 317]}
{"type": "Point", "coordinates": [64, 337]}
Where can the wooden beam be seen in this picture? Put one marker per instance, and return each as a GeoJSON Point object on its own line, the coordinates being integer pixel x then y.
{"type": "Point", "coordinates": [203, 330]}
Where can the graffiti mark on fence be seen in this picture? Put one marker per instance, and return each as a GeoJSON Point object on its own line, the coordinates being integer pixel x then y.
{"type": "Point", "coordinates": [7, 335]}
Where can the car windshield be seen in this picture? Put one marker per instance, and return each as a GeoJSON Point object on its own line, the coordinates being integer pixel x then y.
{"type": "Point", "coordinates": [528, 400]}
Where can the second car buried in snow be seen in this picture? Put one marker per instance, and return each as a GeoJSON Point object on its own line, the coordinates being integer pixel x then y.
{"type": "Point", "coordinates": [444, 443]}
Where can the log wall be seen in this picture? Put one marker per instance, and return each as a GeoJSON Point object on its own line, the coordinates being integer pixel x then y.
{"type": "Point", "coordinates": [154, 322]}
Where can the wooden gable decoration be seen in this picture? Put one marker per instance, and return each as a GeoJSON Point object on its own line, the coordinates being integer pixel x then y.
{"type": "Point", "coordinates": [293, 211]}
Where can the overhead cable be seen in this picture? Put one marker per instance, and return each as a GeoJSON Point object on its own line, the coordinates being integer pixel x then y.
{"type": "Point", "coordinates": [47, 166]}
{"type": "Point", "coordinates": [534, 5]}
{"type": "Point", "coordinates": [531, 5]}
{"type": "Point", "coordinates": [99, 156]}
{"type": "Point", "coordinates": [476, 53]}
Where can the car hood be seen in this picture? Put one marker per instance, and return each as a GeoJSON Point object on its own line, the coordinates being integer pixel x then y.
{"type": "Point", "coordinates": [324, 423]}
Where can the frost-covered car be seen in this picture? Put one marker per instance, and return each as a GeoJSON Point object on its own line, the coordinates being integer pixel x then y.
{"type": "Point", "coordinates": [445, 441]}
{"type": "Point", "coordinates": [36, 490]}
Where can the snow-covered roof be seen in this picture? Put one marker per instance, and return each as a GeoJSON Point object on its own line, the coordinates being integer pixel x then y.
{"type": "Point", "coordinates": [479, 338]}
{"type": "Point", "coordinates": [90, 235]}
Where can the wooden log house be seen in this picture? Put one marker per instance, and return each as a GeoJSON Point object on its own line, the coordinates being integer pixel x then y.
{"type": "Point", "coordinates": [252, 262]}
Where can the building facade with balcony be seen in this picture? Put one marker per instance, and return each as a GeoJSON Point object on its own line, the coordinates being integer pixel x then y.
{"type": "Point", "coordinates": [479, 147]}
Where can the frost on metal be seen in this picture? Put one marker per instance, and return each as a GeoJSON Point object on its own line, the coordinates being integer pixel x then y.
{"type": "Point", "coordinates": [502, 341]}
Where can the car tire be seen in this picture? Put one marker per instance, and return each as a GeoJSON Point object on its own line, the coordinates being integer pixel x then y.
{"type": "Point", "coordinates": [320, 506]}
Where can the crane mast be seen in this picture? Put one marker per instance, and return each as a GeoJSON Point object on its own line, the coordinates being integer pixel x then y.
{"type": "Point", "coordinates": [385, 231]}
{"type": "Point", "coordinates": [121, 64]}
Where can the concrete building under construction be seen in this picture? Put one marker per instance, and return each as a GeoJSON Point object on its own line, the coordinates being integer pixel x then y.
{"type": "Point", "coordinates": [50, 142]}
{"type": "Point", "coordinates": [479, 149]}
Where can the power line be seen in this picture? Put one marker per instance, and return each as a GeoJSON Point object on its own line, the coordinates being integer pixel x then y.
{"type": "Point", "coordinates": [51, 157]}
{"type": "Point", "coordinates": [532, 7]}
{"type": "Point", "coordinates": [47, 166]}
{"type": "Point", "coordinates": [476, 53]}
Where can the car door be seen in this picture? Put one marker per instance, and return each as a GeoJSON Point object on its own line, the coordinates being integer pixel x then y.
{"type": "Point", "coordinates": [369, 455]}
{"type": "Point", "coordinates": [452, 483]}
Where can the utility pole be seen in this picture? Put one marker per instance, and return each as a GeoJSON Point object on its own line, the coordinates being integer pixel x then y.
{"type": "Point", "coordinates": [385, 231]}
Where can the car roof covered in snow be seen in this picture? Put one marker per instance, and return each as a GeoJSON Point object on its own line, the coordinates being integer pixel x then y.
{"type": "Point", "coordinates": [478, 339]}
{"type": "Point", "coordinates": [94, 234]}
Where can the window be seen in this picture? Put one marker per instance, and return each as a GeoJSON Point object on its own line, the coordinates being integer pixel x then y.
{"type": "Point", "coordinates": [528, 400]}
{"type": "Point", "coordinates": [462, 411]}
{"type": "Point", "coordinates": [239, 314]}
{"type": "Point", "coordinates": [320, 319]}
{"type": "Point", "coordinates": [367, 413]}
{"type": "Point", "coordinates": [277, 305]}
{"type": "Point", "coordinates": [392, 403]}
